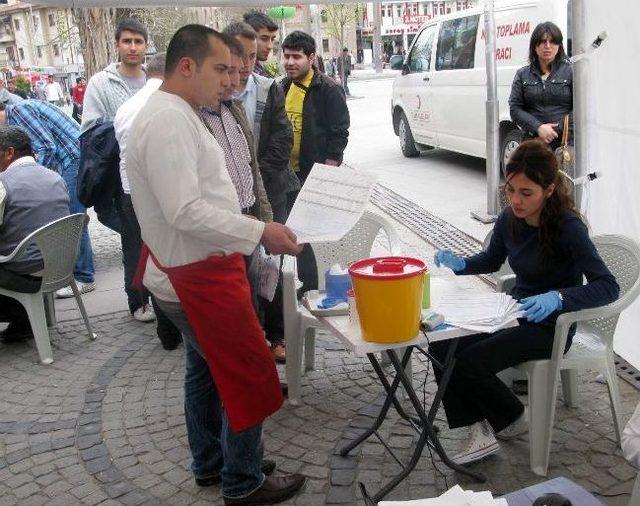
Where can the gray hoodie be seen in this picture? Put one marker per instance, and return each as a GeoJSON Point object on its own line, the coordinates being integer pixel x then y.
{"type": "Point", "coordinates": [106, 92]}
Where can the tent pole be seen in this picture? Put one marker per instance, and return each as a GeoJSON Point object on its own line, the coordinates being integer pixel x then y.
{"type": "Point", "coordinates": [579, 45]}
{"type": "Point", "coordinates": [492, 118]}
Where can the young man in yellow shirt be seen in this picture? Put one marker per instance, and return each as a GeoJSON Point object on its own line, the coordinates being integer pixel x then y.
{"type": "Point", "coordinates": [317, 108]}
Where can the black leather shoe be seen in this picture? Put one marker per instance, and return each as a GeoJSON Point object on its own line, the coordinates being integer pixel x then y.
{"type": "Point", "coordinates": [268, 467]}
{"type": "Point", "coordinates": [275, 489]}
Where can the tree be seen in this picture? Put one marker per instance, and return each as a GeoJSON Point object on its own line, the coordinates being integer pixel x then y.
{"type": "Point", "coordinates": [96, 28]}
{"type": "Point", "coordinates": [339, 17]}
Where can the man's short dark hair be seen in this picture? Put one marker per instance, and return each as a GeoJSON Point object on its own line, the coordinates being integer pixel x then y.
{"type": "Point", "coordinates": [259, 20]}
{"type": "Point", "coordinates": [78, 79]}
{"type": "Point", "coordinates": [190, 41]}
{"type": "Point", "coordinates": [234, 45]}
{"type": "Point", "coordinates": [300, 41]}
{"type": "Point", "coordinates": [156, 65]}
{"type": "Point", "coordinates": [131, 25]}
{"type": "Point", "coordinates": [240, 29]}
{"type": "Point", "coordinates": [16, 138]}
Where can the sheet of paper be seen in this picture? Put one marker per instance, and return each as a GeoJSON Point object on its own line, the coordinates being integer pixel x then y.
{"type": "Point", "coordinates": [455, 496]}
{"type": "Point", "coordinates": [330, 203]}
{"type": "Point", "coordinates": [481, 312]}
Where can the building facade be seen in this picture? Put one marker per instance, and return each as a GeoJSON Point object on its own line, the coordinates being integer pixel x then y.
{"type": "Point", "coordinates": [401, 21]}
{"type": "Point", "coordinates": [37, 41]}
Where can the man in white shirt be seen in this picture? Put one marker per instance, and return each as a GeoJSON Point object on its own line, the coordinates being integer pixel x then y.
{"type": "Point", "coordinates": [54, 93]}
{"type": "Point", "coordinates": [195, 236]}
{"type": "Point", "coordinates": [168, 333]}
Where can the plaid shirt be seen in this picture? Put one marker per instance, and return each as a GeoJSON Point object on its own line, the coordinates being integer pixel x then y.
{"type": "Point", "coordinates": [54, 135]}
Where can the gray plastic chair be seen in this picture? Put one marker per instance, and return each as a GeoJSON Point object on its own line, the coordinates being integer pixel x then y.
{"type": "Point", "coordinates": [59, 245]}
{"type": "Point", "coordinates": [592, 349]}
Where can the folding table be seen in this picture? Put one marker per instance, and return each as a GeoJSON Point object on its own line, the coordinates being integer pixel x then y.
{"type": "Point", "coordinates": [350, 335]}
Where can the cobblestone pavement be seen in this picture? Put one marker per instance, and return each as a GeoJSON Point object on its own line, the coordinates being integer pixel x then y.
{"type": "Point", "coordinates": [104, 425]}
{"type": "Point", "coordinates": [107, 252]}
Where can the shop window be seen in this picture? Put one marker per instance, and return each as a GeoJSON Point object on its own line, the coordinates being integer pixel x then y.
{"type": "Point", "coordinates": [457, 43]}
{"type": "Point", "coordinates": [420, 56]}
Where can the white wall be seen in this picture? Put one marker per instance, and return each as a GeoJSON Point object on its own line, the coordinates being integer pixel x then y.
{"type": "Point", "coordinates": [613, 203]}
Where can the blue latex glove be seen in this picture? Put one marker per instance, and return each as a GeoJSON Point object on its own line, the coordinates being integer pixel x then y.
{"type": "Point", "coordinates": [538, 307]}
{"type": "Point", "coordinates": [447, 258]}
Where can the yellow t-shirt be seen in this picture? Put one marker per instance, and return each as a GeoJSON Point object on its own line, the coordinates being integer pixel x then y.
{"type": "Point", "coordinates": [294, 105]}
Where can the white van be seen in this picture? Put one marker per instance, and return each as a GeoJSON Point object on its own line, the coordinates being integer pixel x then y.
{"type": "Point", "coordinates": [439, 100]}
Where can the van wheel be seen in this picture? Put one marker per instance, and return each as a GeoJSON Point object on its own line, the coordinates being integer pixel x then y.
{"type": "Point", "coordinates": [407, 144]}
{"type": "Point", "coordinates": [510, 143]}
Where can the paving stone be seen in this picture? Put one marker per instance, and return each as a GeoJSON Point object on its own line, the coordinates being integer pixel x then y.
{"type": "Point", "coordinates": [26, 490]}
{"type": "Point", "coordinates": [57, 488]}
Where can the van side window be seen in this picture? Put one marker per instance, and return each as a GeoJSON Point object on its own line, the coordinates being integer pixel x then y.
{"type": "Point", "coordinates": [457, 43]}
{"type": "Point", "coordinates": [420, 57]}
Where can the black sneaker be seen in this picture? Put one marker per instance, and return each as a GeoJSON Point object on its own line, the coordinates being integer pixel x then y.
{"type": "Point", "coordinates": [16, 333]}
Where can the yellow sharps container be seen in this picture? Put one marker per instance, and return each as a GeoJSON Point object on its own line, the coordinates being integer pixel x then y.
{"type": "Point", "coordinates": [388, 297]}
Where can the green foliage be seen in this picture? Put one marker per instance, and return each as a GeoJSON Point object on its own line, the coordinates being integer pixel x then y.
{"type": "Point", "coordinates": [23, 84]}
{"type": "Point", "coordinates": [272, 67]}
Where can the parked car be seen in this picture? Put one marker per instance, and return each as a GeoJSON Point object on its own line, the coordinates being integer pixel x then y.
{"type": "Point", "coordinates": [439, 99]}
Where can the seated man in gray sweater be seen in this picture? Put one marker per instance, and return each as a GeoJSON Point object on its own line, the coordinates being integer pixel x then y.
{"type": "Point", "coordinates": [30, 197]}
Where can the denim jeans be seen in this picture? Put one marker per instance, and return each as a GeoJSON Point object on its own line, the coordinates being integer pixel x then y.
{"type": "Point", "coordinates": [216, 450]}
{"type": "Point", "coordinates": [84, 270]}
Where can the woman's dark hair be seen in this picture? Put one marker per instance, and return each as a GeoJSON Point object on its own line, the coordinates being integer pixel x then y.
{"type": "Point", "coordinates": [540, 32]}
{"type": "Point", "coordinates": [538, 163]}
{"type": "Point", "coordinates": [300, 41]}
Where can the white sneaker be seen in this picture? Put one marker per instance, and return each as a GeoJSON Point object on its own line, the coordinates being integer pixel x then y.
{"type": "Point", "coordinates": [517, 428]}
{"type": "Point", "coordinates": [480, 444]}
{"type": "Point", "coordinates": [144, 314]}
{"type": "Point", "coordinates": [67, 292]}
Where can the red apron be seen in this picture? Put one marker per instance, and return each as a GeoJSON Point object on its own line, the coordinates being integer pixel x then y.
{"type": "Point", "coordinates": [216, 298]}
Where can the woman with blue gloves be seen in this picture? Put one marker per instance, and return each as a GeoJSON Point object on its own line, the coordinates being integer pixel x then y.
{"type": "Point", "coordinates": [548, 247]}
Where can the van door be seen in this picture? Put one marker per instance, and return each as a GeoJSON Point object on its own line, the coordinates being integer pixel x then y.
{"type": "Point", "coordinates": [416, 91]}
{"type": "Point", "coordinates": [458, 88]}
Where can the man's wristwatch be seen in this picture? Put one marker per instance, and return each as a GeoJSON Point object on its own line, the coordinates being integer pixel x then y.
{"type": "Point", "coordinates": [561, 299]}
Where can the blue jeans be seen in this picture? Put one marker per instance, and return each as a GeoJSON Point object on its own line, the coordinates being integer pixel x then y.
{"type": "Point", "coordinates": [216, 450]}
{"type": "Point", "coordinates": [84, 270]}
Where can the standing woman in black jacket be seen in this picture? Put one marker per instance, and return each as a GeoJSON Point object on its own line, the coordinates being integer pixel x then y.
{"type": "Point", "coordinates": [542, 92]}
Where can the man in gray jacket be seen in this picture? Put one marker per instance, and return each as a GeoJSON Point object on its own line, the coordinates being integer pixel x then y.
{"type": "Point", "coordinates": [106, 92]}
{"type": "Point", "coordinates": [30, 197]}
{"type": "Point", "coordinates": [109, 89]}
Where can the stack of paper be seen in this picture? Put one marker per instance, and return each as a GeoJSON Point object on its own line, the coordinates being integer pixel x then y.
{"type": "Point", "coordinates": [479, 311]}
{"type": "Point", "coordinates": [455, 496]}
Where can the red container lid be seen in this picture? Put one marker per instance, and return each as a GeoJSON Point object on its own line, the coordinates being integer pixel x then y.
{"type": "Point", "coordinates": [387, 268]}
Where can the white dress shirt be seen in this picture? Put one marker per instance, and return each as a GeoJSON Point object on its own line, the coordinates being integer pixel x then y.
{"type": "Point", "coordinates": [53, 91]}
{"type": "Point", "coordinates": [249, 98]}
{"type": "Point", "coordinates": [24, 160]}
{"type": "Point", "coordinates": [182, 193]}
{"type": "Point", "coordinates": [124, 119]}
{"type": "Point", "coordinates": [631, 439]}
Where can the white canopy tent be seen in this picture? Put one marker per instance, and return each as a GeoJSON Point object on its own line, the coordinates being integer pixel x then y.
{"type": "Point", "coordinates": [608, 116]}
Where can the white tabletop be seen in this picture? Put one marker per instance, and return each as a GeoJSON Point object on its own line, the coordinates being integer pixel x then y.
{"type": "Point", "coordinates": [351, 335]}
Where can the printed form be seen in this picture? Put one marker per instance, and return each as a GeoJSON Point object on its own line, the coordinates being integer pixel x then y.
{"type": "Point", "coordinates": [330, 203]}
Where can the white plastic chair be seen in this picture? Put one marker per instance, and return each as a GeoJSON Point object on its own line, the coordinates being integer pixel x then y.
{"type": "Point", "coordinates": [299, 323]}
{"type": "Point", "coordinates": [59, 244]}
{"type": "Point", "coordinates": [592, 349]}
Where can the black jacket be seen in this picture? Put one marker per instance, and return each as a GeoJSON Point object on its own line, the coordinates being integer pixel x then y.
{"type": "Point", "coordinates": [325, 122]}
{"type": "Point", "coordinates": [274, 145]}
{"type": "Point", "coordinates": [534, 101]}
{"type": "Point", "coordinates": [99, 172]}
